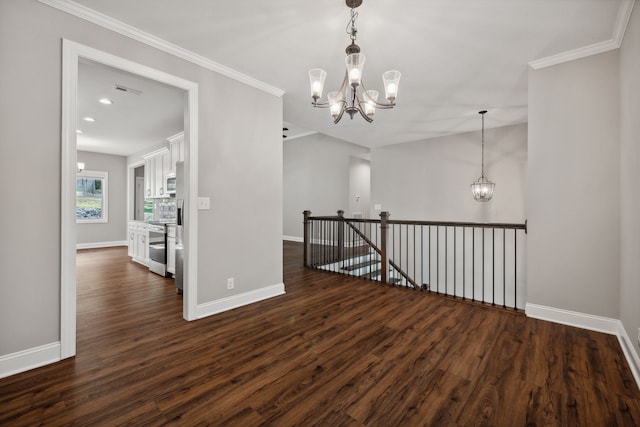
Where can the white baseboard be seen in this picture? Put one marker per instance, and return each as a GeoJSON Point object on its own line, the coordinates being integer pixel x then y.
{"type": "Point", "coordinates": [293, 239]}
{"type": "Point", "coordinates": [235, 301]}
{"type": "Point", "coordinates": [573, 318]}
{"type": "Point", "coordinates": [32, 358]}
{"type": "Point", "coordinates": [142, 262]}
{"type": "Point", "coordinates": [629, 352]}
{"type": "Point", "coordinates": [591, 322]}
{"type": "Point", "coordinates": [97, 245]}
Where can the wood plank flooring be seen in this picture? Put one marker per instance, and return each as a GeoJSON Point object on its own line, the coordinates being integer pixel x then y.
{"type": "Point", "coordinates": [333, 351]}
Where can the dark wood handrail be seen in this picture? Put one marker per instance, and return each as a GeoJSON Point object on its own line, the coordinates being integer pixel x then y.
{"type": "Point", "coordinates": [363, 236]}
{"type": "Point", "coordinates": [462, 224]}
{"type": "Point", "coordinates": [405, 275]}
{"type": "Point", "coordinates": [379, 251]}
{"type": "Point", "coordinates": [508, 226]}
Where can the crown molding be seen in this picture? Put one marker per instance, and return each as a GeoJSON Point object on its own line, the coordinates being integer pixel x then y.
{"type": "Point", "coordinates": [300, 135]}
{"type": "Point", "coordinates": [572, 55]}
{"type": "Point", "coordinates": [624, 13]}
{"type": "Point", "coordinates": [134, 33]}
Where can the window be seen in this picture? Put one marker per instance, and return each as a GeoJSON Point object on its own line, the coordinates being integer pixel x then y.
{"type": "Point", "coordinates": [91, 197]}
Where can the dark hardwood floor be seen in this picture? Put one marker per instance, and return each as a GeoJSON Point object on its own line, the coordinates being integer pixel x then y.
{"type": "Point", "coordinates": [333, 351]}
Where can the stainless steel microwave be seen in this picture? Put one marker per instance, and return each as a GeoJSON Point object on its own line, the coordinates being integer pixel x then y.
{"type": "Point", "coordinates": [170, 183]}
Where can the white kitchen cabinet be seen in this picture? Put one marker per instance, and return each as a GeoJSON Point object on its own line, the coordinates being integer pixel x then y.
{"type": "Point", "coordinates": [138, 242]}
{"type": "Point", "coordinates": [149, 178]}
{"type": "Point", "coordinates": [131, 243]}
{"type": "Point", "coordinates": [171, 255]}
{"type": "Point", "coordinates": [141, 244]}
{"type": "Point", "coordinates": [171, 249]}
{"type": "Point", "coordinates": [156, 167]}
{"type": "Point", "coordinates": [176, 150]}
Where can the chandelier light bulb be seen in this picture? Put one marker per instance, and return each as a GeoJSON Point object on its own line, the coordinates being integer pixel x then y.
{"type": "Point", "coordinates": [370, 104]}
{"type": "Point", "coordinates": [355, 63]}
{"type": "Point", "coordinates": [335, 103]}
{"type": "Point", "coordinates": [391, 80]}
{"type": "Point", "coordinates": [317, 77]}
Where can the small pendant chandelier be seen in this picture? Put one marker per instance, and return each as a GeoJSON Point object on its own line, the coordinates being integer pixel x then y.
{"type": "Point", "coordinates": [352, 97]}
{"type": "Point", "coordinates": [482, 189]}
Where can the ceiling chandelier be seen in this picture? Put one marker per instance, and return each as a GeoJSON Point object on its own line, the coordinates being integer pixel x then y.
{"type": "Point", "coordinates": [482, 189]}
{"type": "Point", "coordinates": [353, 97]}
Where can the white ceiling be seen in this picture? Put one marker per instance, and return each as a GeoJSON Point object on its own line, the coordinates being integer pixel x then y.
{"type": "Point", "coordinates": [133, 122]}
{"type": "Point", "coordinates": [456, 56]}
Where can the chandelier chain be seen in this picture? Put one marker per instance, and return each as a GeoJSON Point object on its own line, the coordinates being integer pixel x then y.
{"type": "Point", "coordinates": [482, 144]}
{"type": "Point", "coordinates": [351, 26]}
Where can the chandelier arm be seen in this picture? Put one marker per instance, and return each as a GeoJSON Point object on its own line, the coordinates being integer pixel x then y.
{"type": "Point", "coordinates": [342, 110]}
{"type": "Point", "coordinates": [321, 104]}
{"type": "Point", "coordinates": [381, 105]}
{"type": "Point", "coordinates": [360, 108]}
{"type": "Point", "coordinates": [367, 118]}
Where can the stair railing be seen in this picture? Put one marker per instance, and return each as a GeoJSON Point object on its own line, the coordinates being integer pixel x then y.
{"type": "Point", "coordinates": [478, 261]}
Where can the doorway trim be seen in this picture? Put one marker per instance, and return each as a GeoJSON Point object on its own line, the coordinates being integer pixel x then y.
{"type": "Point", "coordinates": [71, 53]}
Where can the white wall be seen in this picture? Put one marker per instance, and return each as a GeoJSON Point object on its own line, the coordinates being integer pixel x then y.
{"type": "Point", "coordinates": [630, 178]}
{"type": "Point", "coordinates": [116, 229]}
{"type": "Point", "coordinates": [316, 178]}
{"type": "Point", "coordinates": [240, 168]}
{"type": "Point", "coordinates": [430, 180]}
{"type": "Point", "coordinates": [574, 201]}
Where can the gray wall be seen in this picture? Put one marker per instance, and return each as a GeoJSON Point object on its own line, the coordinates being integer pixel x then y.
{"type": "Point", "coordinates": [240, 168]}
{"type": "Point", "coordinates": [629, 178]}
{"type": "Point", "coordinates": [116, 229]}
{"type": "Point", "coordinates": [316, 177]}
{"type": "Point", "coordinates": [574, 200]}
{"type": "Point", "coordinates": [430, 180]}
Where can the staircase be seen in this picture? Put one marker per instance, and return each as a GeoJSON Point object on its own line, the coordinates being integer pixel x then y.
{"type": "Point", "coordinates": [366, 266]}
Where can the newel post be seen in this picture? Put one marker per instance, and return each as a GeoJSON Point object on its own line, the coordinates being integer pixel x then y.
{"type": "Point", "coordinates": [384, 262]}
{"type": "Point", "coordinates": [307, 238]}
{"type": "Point", "coordinates": [340, 234]}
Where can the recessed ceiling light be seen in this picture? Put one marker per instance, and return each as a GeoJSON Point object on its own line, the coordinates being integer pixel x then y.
{"type": "Point", "coordinates": [88, 119]}
{"type": "Point", "coordinates": [105, 101]}
{"type": "Point", "coordinates": [78, 131]}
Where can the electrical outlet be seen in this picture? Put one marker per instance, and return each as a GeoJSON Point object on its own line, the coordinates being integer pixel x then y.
{"type": "Point", "coordinates": [230, 283]}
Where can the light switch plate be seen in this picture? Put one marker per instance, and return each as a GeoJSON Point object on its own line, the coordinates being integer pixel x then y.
{"type": "Point", "coordinates": [204, 203]}
{"type": "Point", "coordinates": [377, 207]}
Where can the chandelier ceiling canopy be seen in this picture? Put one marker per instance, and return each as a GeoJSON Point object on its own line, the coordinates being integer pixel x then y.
{"type": "Point", "coordinates": [353, 97]}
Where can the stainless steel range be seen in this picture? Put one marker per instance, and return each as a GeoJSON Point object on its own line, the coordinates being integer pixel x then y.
{"type": "Point", "coordinates": [158, 248]}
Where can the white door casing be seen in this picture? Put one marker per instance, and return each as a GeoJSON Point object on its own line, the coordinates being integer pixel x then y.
{"type": "Point", "coordinates": [71, 53]}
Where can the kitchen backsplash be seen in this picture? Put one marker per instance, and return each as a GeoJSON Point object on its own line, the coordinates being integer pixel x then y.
{"type": "Point", "coordinates": [164, 210]}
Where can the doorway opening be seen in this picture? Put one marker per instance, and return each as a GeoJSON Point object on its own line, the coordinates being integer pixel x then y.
{"type": "Point", "coordinates": [73, 54]}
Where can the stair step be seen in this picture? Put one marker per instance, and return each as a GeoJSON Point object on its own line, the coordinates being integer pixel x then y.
{"type": "Point", "coordinates": [360, 259]}
{"type": "Point", "coordinates": [371, 275]}
{"type": "Point", "coordinates": [360, 265]}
